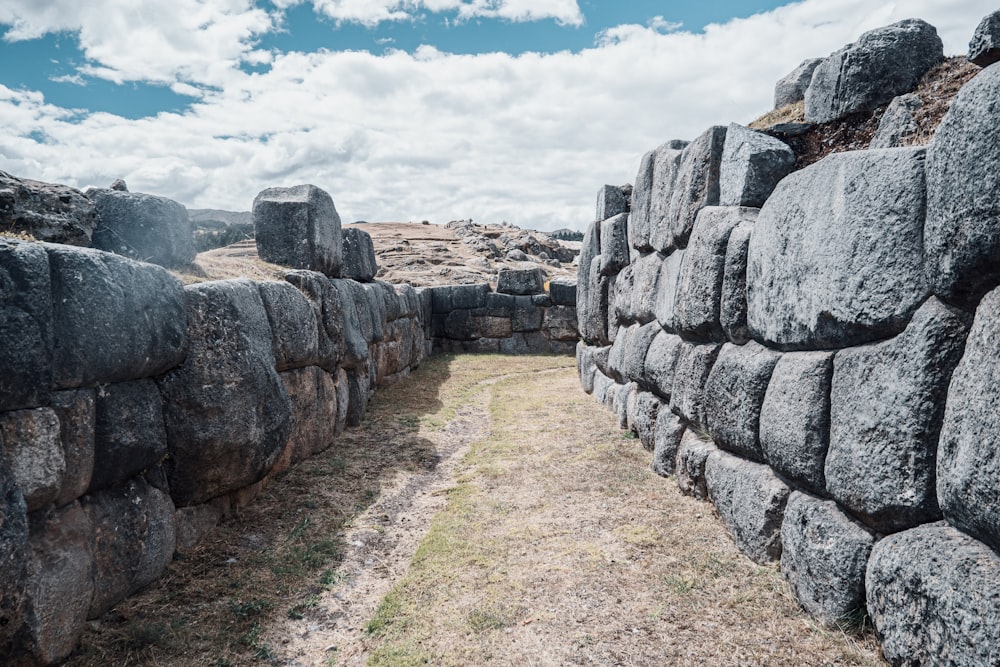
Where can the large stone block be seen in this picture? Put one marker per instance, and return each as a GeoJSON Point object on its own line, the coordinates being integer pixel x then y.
{"type": "Point", "coordinates": [696, 185]}
{"type": "Point", "coordinates": [313, 395]}
{"type": "Point", "coordinates": [795, 418]}
{"type": "Point", "coordinates": [114, 319]}
{"type": "Point", "coordinates": [611, 201]}
{"type": "Point", "coordinates": [48, 211]}
{"type": "Point", "coordinates": [962, 233]}
{"type": "Point", "coordinates": [666, 164]}
{"type": "Point", "coordinates": [299, 227]}
{"type": "Point", "coordinates": [469, 296]}
{"type": "Point", "coordinates": [602, 385]}
{"type": "Point", "coordinates": [527, 316]}
{"type": "Point", "coordinates": [593, 319]}
{"type": "Point", "coordinates": [968, 457]}
{"type": "Point", "coordinates": [752, 164]}
{"type": "Point", "coordinates": [640, 304]}
{"type": "Point", "coordinates": [660, 363]}
{"type": "Point", "coordinates": [560, 323]}
{"type": "Point", "coordinates": [358, 386]}
{"type": "Point", "coordinates": [883, 63]}
{"type": "Point", "coordinates": [984, 49]}
{"type": "Point", "coordinates": [25, 325]}
{"type": "Point", "coordinates": [614, 244]}
{"type": "Point", "coordinates": [328, 313]}
{"type": "Point", "coordinates": [733, 306]}
{"type": "Point", "coordinates": [358, 255]}
{"type": "Point", "coordinates": [226, 411]}
{"type": "Point", "coordinates": [643, 414]}
{"type": "Point", "coordinates": [563, 291]}
{"type": "Point", "coordinates": [886, 408]}
{"type": "Point", "coordinates": [129, 432]}
{"type": "Point", "coordinates": [687, 396]}
{"type": "Point", "coordinates": [587, 294]}
{"type": "Point", "coordinates": [372, 305]}
{"type": "Point", "coordinates": [791, 88]}
{"type": "Point", "coordinates": [143, 227]}
{"type": "Point", "coordinates": [294, 328]}
{"type": "Point", "coordinates": [358, 314]}
{"type": "Point", "coordinates": [31, 443]}
{"type": "Point", "coordinates": [76, 411]}
{"type": "Point", "coordinates": [734, 394]}
{"type": "Point", "coordinates": [13, 559]}
{"type": "Point", "coordinates": [665, 308]}
{"type": "Point", "coordinates": [667, 434]}
{"type": "Point", "coordinates": [898, 122]}
{"type": "Point", "coordinates": [823, 556]}
{"type": "Point", "coordinates": [827, 236]}
{"type": "Point", "coordinates": [134, 540]}
{"type": "Point", "coordinates": [60, 582]}
{"type": "Point", "coordinates": [698, 301]}
{"type": "Point", "coordinates": [934, 597]}
{"type": "Point", "coordinates": [521, 281]}
{"type": "Point", "coordinates": [750, 500]}
{"type": "Point", "coordinates": [642, 190]}
{"type": "Point", "coordinates": [692, 454]}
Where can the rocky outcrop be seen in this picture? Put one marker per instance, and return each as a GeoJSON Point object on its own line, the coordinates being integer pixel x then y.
{"type": "Point", "coordinates": [46, 211]}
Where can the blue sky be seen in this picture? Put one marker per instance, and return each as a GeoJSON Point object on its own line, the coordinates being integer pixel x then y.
{"type": "Point", "coordinates": [514, 110]}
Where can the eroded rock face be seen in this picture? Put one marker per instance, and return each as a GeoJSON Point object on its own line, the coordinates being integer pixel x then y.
{"type": "Point", "coordinates": [883, 63]}
{"type": "Point", "coordinates": [299, 227]}
{"type": "Point", "coordinates": [836, 254]}
{"type": "Point", "coordinates": [791, 88]}
{"type": "Point", "coordinates": [824, 555]}
{"type": "Point", "coordinates": [143, 227]}
{"type": "Point", "coordinates": [962, 233]}
{"type": "Point", "coordinates": [934, 597]}
{"type": "Point", "coordinates": [886, 408]}
{"type": "Point", "coordinates": [47, 211]}
{"type": "Point", "coordinates": [984, 49]}
{"type": "Point", "coordinates": [25, 325]}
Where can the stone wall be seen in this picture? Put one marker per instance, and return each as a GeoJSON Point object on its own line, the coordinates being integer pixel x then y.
{"type": "Point", "coordinates": [816, 353]}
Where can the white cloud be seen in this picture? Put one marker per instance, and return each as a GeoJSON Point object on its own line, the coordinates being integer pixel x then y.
{"type": "Point", "coordinates": [436, 136]}
{"type": "Point", "coordinates": [373, 12]}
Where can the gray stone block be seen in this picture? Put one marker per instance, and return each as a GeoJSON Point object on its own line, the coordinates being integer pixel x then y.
{"type": "Point", "coordinates": [968, 455]}
{"type": "Point", "coordinates": [827, 235]}
{"type": "Point", "coordinates": [665, 308]}
{"type": "Point", "coordinates": [226, 411]}
{"type": "Point", "coordinates": [358, 385]}
{"type": "Point", "coordinates": [358, 255]}
{"type": "Point", "coordinates": [750, 500]}
{"type": "Point", "coordinates": [620, 402]}
{"type": "Point", "coordinates": [752, 164]}
{"type": "Point", "coordinates": [791, 88]}
{"type": "Point", "coordinates": [25, 325]}
{"type": "Point", "coordinates": [795, 418]}
{"type": "Point", "coordinates": [886, 407]}
{"type": "Point", "coordinates": [143, 227]}
{"type": "Point", "coordinates": [614, 244]}
{"type": "Point", "coordinates": [933, 594]}
{"type": "Point", "coordinates": [295, 331]}
{"type": "Point", "coordinates": [660, 364]}
{"type": "Point", "coordinates": [898, 122]}
{"type": "Point", "coordinates": [48, 211]}
{"type": "Point", "coordinates": [642, 191]}
{"type": "Point", "coordinates": [129, 434]}
{"type": "Point", "coordinates": [646, 272]}
{"type": "Point", "coordinates": [667, 433]}
{"type": "Point", "coordinates": [114, 319]}
{"type": "Point", "coordinates": [13, 559]}
{"type": "Point", "coordinates": [31, 443]}
{"type": "Point", "coordinates": [314, 411]}
{"type": "Point", "coordinates": [360, 311]}
{"type": "Point", "coordinates": [984, 49]}
{"type": "Point", "coordinates": [560, 323]}
{"type": "Point", "coordinates": [563, 291]}
{"type": "Point", "coordinates": [883, 63]}
{"type": "Point", "coordinates": [76, 412]}
{"type": "Point", "coordinates": [692, 453]}
{"type": "Point", "coordinates": [372, 302]}
{"type": "Point", "coordinates": [643, 416]}
{"type": "Point", "coordinates": [962, 234]}
{"type": "Point", "coordinates": [611, 201]}
{"type": "Point", "coordinates": [469, 296]}
{"type": "Point", "coordinates": [666, 165]}
{"type": "Point", "coordinates": [299, 227]}
{"type": "Point", "coordinates": [697, 183]}
{"type": "Point", "coordinates": [521, 281]}
{"type": "Point", "coordinates": [602, 385]}
{"type": "Point", "coordinates": [329, 315]}
{"type": "Point", "coordinates": [527, 316]}
{"type": "Point", "coordinates": [587, 290]}
{"type": "Point", "coordinates": [698, 301]}
{"type": "Point", "coordinates": [734, 394]}
{"type": "Point", "coordinates": [823, 556]}
{"type": "Point", "coordinates": [733, 306]}
{"type": "Point", "coordinates": [687, 396]}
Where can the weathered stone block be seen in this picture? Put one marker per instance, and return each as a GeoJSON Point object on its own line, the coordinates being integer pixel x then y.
{"type": "Point", "coordinates": [823, 556]}
{"type": "Point", "coordinates": [883, 63]}
{"type": "Point", "coordinates": [359, 312]}
{"type": "Point", "coordinates": [642, 190]}
{"type": "Point", "coordinates": [750, 500]}
{"type": "Point", "coordinates": [665, 308]}
{"type": "Point", "coordinates": [563, 291]}
{"type": "Point", "coordinates": [795, 418]}
{"type": "Point", "coordinates": [129, 432]}
{"type": "Point", "coordinates": [32, 445]}
{"type": "Point", "coordinates": [898, 122]}
{"type": "Point", "coordinates": [295, 331]}
{"type": "Point", "coordinates": [734, 394]}
{"type": "Point", "coordinates": [692, 454]}
{"type": "Point", "coordinates": [371, 305]}
{"type": "Point", "coordinates": [984, 49]}
{"type": "Point", "coordinates": [560, 323]}
{"type": "Point", "coordinates": [299, 227]}
{"type": "Point", "coordinates": [13, 559]}
{"type": "Point", "coordinates": [687, 396]}
{"type": "Point", "coordinates": [827, 235]}
{"type": "Point", "coordinates": [527, 316]}
{"type": "Point", "coordinates": [143, 227]}
{"type": "Point", "coordinates": [667, 434]}
{"type": "Point", "coordinates": [226, 411]}
{"type": "Point", "coordinates": [642, 417]}
{"type": "Point", "coordinates": [611, 201]}
{"type": "Point", "coordinates": [328, 313]}
{"type": "Point", "coordinates": [469, 296]}
{"type": "Point", "coordinates": [886, 408]}
{"type": "Point", "coordinates": [659, 229]}
{"type": "Point", "coordinates": [640, 302]}
{"type": "Point", "coordinates": [626, 393]}
{"type": "Point", "coordinates": [660, 363]}
{"type": "Point", "coordinates": [733, 306]}
{"type": "Point", "coordinates": [48, 211]}
{"type": "Point", "coordinates": [358, 385]}
{"type": "Point", "coordinates": [602, 384]}
{"type": "Point", "coordinates": [313, 396]}
{"type": "Point", "coordinates": [358, 255]}
{"type": "Point", "coordinates": [76, 412]}
{"type": "Point", "coordinates": [614, 244]}
{"type": "Point", "coordinates": [791, 88]}
{"type": "Point", "coordinates": [752, 164]}
{"type": "Point", "coordinates": [25, 325]}
{"type": "Point", "coordinates": [934, 597]}
{"type": "Point", "coordinates": [697, 183]}
{"type": "Point", "coordinates": [962, 234]}
{"type": "Point", "coordinates": [521, 281]}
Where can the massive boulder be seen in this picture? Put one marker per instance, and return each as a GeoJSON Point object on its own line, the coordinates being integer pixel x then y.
{"type": "Point", "coordinates": [49, 212]}
{"type": "Point", "coordinates": [696, 184]}
{"type": "Point", "coordinates": [886, 407]}
{"type": "Point", "coordinates": [962, 234]}
{"type": "Point", "coordinates": [836, 254]}
{"type": "Point", "coordinates": [752, 164]}
{"type": "Point", "coordinates": [934, 598]}
{"type": "Point", "coordinates": [791, 88]}
{"type": "Point", "coordinates": [143, 227]}
{"type": "Point", "coordinates": [299, 227]}
{"type": "Point", "coordinates": [883, 63]}
{"type": "Point", "coordinates": [984, 49]}
{"type": "Point", "coordinates": [226, 410]}
{"type": "Point", "coordinates": [358, 255]}
{"type": "Point", "coordinates": [25, 325]}
{"type": "Point", "coordinates": [114, 319]}
{"type": "Point", "coordinates": [968, 458]}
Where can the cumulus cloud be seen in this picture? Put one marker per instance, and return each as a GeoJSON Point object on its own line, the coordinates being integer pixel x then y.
{"type": "Point", "coordinates": [373, 12]}
{"type": "Point", "coordinates": [431, 135]}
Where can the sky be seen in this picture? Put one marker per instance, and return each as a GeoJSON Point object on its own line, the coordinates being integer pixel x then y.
{"type": "Point", "coordinates": [495, 110]}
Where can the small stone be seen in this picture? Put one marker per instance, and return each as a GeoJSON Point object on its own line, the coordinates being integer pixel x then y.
{"type": "Point", "coordinates": [791, 88]}
{"type": "Point", "coordinates": [984, 49]}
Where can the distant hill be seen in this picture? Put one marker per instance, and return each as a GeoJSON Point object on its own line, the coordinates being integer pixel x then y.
{"type": "Point", "coordinates": [215, 229]}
